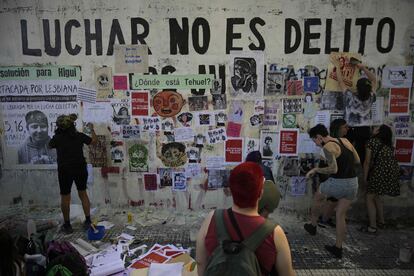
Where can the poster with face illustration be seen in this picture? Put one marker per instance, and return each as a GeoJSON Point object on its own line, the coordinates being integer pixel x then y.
{"type": "Point", "coordinates": [198, 103]}
{"type": "Point", "coordinates": [349, 72]}
{"type": "Point", "coordinates": [167, 103]}
{"type": "Point", "coordinates": [138, 157]}
{"type": "Point", "coordinates": [217, 88]}
{"type": "Point", "coordinates": [247, 71]}
{"type": "Point", "coordinates": [193, 155]}
{"type": "Point", "coordinates": [103, 82]}
{"type": "Point", "coordinates": [179, 181]}
{"type": "Point", "coordinates": [268, 143]}
{"type": "Point", "coordinates": [173, 154]}
{"type": "Point", "coordinates": [219, 101]}
{"type": "Point", "coordinates": [185, 119]}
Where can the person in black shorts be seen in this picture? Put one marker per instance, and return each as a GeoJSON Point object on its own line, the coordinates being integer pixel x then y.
{"type": "Point", "coordinates": [71, 165]}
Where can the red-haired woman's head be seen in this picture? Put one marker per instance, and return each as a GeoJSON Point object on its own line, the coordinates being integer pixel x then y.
{"type": "Point", "coordinates": [246, 184]}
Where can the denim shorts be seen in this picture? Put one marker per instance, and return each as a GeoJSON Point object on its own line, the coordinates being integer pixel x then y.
{"type": "Point", "coordinates": [340, 188]}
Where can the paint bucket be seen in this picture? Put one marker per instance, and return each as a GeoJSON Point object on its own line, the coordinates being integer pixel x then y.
{"type": "Point", "coordinates": [405, 254]}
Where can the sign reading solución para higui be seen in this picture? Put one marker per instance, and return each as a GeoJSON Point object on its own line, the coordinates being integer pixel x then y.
{"type": "Point", "coordinates": [31, 98]}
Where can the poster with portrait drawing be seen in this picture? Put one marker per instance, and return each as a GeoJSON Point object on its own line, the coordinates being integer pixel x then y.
{"type": "Point", "coordinates": [332, 101]}
{"type": "Point", "coordinates": [246, 74]}
{"type": "Point", "coordinates": [219, 101]}
{"type": "Point", "coordinates": [269, 141]}
{"type": "Point", "coordinates": [217, 87]}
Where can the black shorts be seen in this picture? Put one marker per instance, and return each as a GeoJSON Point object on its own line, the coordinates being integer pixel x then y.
{"type": "Point", "coordinates": [68, 174]}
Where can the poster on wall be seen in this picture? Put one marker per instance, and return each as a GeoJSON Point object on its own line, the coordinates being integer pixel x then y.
{"type": "Point", "coordinates": [275, 84]}
{"type": "Point", "coordinates": [97, 152]}
{"type": "Point", "coordinates": [268, 144]}
{"type": "Point", "coordinates": [120, 82]}
{"type": "Point", "coordinates": [179, 182]}
{"type": "Point", "coordinates": [131, 58]}
{"type": "Point", "coordinates": [165, 177]}
{"type": "Point", "coordinates": [138, 157]}
{"type": "Point", "coordinates": [271, 113]}
{"type": "Point", "coordinates": [298, 186]}
{"type": "Point", "coordinates": [121, 112]}
{"type": "Point", "coordinates": [404, 150]}
{"type": "Point", "coordinates": [139, 103]}
{"type": "Point", "coordinates": [250, 144]}
{"type": "Point", "coordinates": [399, 101]}
{"type": "Point", "coordinates": [234, 150]}
{"type": "Point", "coordinates": [246, 74]}
{"type": "Point", "coordinates": [403, 127]}
{"type": "Point", "coordinates": [310, 84]}
{"type": "Point", "coordinates": [349, 72]}
{"type": "Point", "coordinates": [29, 108]}
{"type": "Point", "coordinates": [218, 178]}
{"type": "Point", "coordinates": [150, 182]}
{"type": "Point", "coordinates": [397, 76]}
{"type": "Point", "coordinates": [103, 82]}
{"type": "Point", "coordinates": [99, 112]}
{"type": "Point", "coordinates": [288, 143]}
{"type": "Point", "coordinates": [292, 105]}
{"type": "Point", "coordinates": [377, 111]}
{"type": "Point", "coordinates": [294, 87]}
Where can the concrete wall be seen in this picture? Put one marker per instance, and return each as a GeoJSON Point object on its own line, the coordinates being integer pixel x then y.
{"type": "Point", "coordinates": [297, 33]}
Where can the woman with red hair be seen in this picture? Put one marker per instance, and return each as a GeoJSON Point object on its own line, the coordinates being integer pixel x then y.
{"type": "Point", "coordinates": [241, 220]}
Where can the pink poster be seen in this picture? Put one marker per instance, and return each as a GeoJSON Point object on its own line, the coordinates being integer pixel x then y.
{"type": "Point", "coordinates": [139, 103]}
{"type": "Point", "coordinates": [120, 82]}
{"type": "Point", "coordinates": [233, 129]}
{"type": "Point", "coordinates": [288, 144]}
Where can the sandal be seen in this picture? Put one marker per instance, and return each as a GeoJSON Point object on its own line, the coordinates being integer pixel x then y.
{"type": "Point", "coordinates": [367, 229]}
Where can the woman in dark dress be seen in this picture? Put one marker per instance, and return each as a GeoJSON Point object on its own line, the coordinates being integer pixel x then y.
{"type": "Point", "coordinates": [381, 173]}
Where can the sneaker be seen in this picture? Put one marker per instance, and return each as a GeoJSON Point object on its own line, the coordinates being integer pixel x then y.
{"type": "Point", "coordinates": [66, 229]}
{"type": "Point", "coordinates": [337, 252]}
{"type": "Point", "coordinates": [310, 228]}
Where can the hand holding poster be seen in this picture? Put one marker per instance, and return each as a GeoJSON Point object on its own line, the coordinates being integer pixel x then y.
{"type": "Point", "coordinates": [349, 72]}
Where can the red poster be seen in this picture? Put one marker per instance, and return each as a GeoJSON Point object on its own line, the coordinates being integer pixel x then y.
{"type": "Point", "coordinates": [150, 181]}
{"type": "Point", "coordinates": [120, 83]}
{"type": "Point", "coordinates": [234, 150]}
{"type": "Point", "coordinates": [151, 258]}
{"type": "Point", "coordinates": [404, 150]}
{"type": "Point", "coordinates": [139, 103]}
{"type": "Point", "coordinates": [399, 100]}
{"type": "Point", "coordinates": [288, 143]}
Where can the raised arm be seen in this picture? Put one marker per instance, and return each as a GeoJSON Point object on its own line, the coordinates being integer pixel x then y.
{"type": "Point", "coordinates": [371, 76]}
{"type": "Point", "coordinates": [93, 134]}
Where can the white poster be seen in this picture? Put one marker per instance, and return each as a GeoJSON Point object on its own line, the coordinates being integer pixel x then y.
{"type": "Point", "coordinates": [99, 112]}
{"type": "Point", "coordinates": [397, 76]}
{"type": "Point", "coordinates": [29, 111]}
{"type": "Point", "coordinates": [131, 58]}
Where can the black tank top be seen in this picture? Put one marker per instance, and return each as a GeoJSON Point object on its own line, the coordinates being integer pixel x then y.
{"type": "Point", "coordinates": [345, 162]}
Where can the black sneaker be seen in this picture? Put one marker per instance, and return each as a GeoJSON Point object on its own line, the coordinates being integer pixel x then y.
{"type": "Point", "coordinates": [310, 228]}
{"type": "Point", "coordinates": [337, 252]}
{"type": "Point", "coordinates": [66, 229]}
